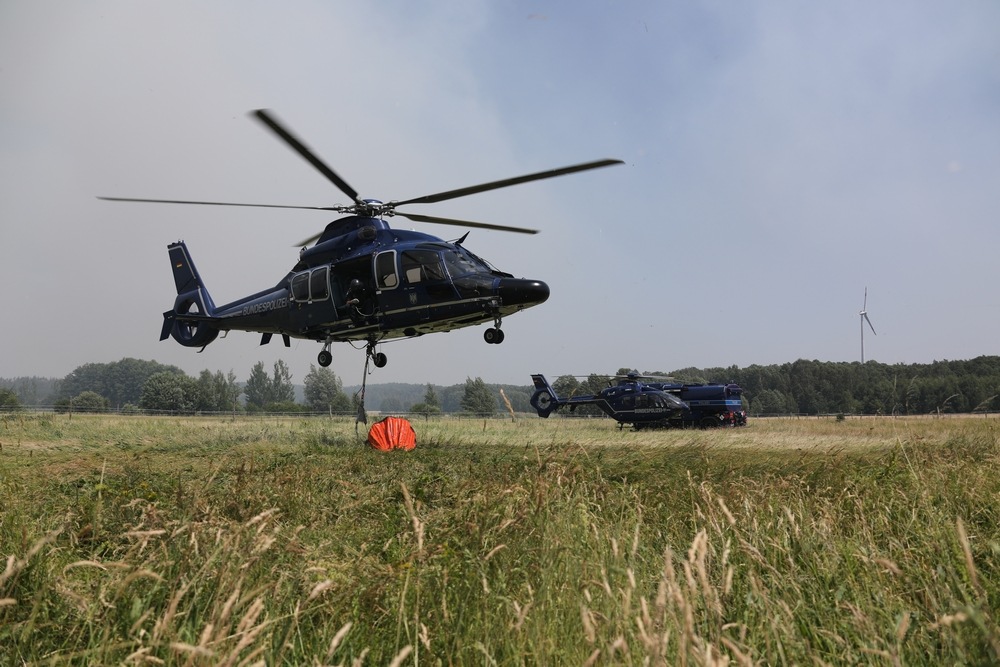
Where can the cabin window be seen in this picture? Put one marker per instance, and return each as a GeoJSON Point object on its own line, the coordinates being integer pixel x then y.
{"type": "Point", "coordinates": [319, 284]}
{"type": "Point", "coordinates": [385, 270]}
{"type": "Point", "coordinates": [300, 286]}
{"type": "Point", "coordinates": [310, 286]}
{"type": "Point", "coordinates": [421, 265]}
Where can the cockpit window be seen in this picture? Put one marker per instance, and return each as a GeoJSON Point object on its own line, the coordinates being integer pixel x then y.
{"type": "Point", "coordinates": [458, 260]}
{"type": "Point", "coordinates": [461, 263]}
{"type": "Point", "coordinates": [422, 265]}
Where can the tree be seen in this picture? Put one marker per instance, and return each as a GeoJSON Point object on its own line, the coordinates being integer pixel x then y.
{"type": "Point", "coordinates": [390, 404]}
{"type": "Point", "coordinates": [324, 391]}
{"type": "Point", "coordinates": [205, 400]}
{"type": "Point", "coordinates": [227, 391]}
{"type": "Point", "coordinates": [478, 398]}
{"type": "Point", "coordinates": [519, 397]}
{"type": "Point", "coordinates": [771, 402]}
{"type": "Point", "coordinates": [424, 409]}
{"type": "Point", "coordinates": [90, 401]}
{"type": "Point", "coordinates": [430, 405]}
{"type": "Point", "coordinates": [595, 383]}
{"type": "Point", "coordinates": [566, 386]}
{"type": "Point", "coordinates": [430, 398]}
{"type": "Point", "coordinates": [217, 392]}
{"type": "Point", "coordinates": [169, 392]}
{"type": "Point", "coordinates": [258, 387]}
{"type": "Point", "coordinates": [9, 400]}
{"type": "Point", "coordinates": [120, 382]}
{"type": "Point", "coordinates": [282, 389]}
{"type": "Point", "coordinates": [286, 407]}
{"type": "Point", "coordinates": [33, 390]}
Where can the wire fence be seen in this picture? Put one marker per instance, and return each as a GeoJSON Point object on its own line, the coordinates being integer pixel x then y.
{"type": "Point", "coordinates": [254, 414]}
{"type": "Point", "coordinates": [373, 415]}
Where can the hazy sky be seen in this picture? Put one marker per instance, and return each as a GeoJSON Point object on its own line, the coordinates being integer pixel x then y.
{"type": "Point", "coordinates": [780, 157]}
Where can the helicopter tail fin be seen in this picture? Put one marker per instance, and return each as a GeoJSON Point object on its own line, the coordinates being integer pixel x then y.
{"type": "Point", "coordinates": [544, 400]}
{"type": "Point", "coordinates": [191, 320]}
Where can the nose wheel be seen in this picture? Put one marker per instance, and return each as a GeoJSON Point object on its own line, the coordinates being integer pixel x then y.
{"type": "Point", "coordinates": [494, 335]}
{"type": "Point", "coordinates": [325, 357]}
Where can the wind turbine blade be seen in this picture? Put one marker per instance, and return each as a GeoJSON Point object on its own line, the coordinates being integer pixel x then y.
{"type": "Point", "coordinates": [865, 306]}
{"type": "Point", "coordinates": [869, 323]}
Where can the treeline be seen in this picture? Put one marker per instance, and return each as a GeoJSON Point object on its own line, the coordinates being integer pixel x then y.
{"type": "Point", "coordinates": [134, 385]}
{"type": "Point", "coordinates": [402, 397]}
{"type": "Point", "coordinates": [824, 387]}
{"type": "Point", "coordinates": [800, 387]}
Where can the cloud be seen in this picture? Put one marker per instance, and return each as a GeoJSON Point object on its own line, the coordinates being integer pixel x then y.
{"type": "Point", "coordinates": [779, 158]}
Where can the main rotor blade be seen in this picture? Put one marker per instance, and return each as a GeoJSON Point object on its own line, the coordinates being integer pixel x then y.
{"type": "Point", "coordinates": [304, 242]}
{"type": "Point", "coordinates": [465, 223]}
{"type": "Point", "coordinates": [305, 152]}
{"type": "Point", "coordinates": [220, 203]}
{"type": "Point", "coordinates": [471, 190]}
{"type": "Point", "coordinates": [869, 322]}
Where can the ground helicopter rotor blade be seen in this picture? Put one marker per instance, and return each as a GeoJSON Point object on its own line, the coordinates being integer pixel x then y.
{"type": "Point", "coordinates": [517, 180]}
{"type": "Point", "coordinates": [464, 223]}
{"type": "Point", "coordinates": [219, 203]}
{"type": "Point", "coordinates": [263, 116]}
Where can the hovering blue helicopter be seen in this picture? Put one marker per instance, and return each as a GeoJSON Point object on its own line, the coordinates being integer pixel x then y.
{"type": "Point", "coordinates": [652, 404]}
{"type": "Point", "coordinates": [361, 280]}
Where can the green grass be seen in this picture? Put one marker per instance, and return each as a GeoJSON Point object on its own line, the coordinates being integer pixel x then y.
{"type": "Point", "coordinates": [286, 541]}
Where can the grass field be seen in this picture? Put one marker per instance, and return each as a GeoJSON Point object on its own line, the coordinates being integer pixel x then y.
{"type": "Point", "coordinates": [207, 541]}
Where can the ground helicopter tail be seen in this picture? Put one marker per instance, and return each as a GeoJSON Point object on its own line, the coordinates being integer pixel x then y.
{"type": "Point", "coordinates": [544, 400]}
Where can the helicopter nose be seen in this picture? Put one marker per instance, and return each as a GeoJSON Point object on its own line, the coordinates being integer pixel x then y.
{"type": "Point", "coordinates": [520, 292]}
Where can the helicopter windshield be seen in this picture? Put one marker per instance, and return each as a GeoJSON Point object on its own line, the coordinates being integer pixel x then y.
{"type": "Point", "coordinates": [461, 262]}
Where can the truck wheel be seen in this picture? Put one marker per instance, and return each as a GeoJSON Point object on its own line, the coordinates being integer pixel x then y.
{"type": "Point", "coordinates": [709, 422]}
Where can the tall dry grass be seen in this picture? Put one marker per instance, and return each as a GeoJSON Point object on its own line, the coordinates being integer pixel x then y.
{"type": "Point", "coordinates": [282, 541]}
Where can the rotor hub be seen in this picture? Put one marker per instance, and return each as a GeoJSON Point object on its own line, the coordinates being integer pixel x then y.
{"type": "Point", "coordinates": [371, 208]}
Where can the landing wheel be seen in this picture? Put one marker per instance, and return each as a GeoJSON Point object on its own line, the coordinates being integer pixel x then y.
{"type": "Point", "coordinates": [493, 336]}
{"type": "Point", "coordinates": [325, 358]}
{"type": "Point", "coordinates": [378, 358]}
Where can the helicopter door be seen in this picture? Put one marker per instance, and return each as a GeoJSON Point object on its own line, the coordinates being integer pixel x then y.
{"type": "Point", "coordinates": [310, 293]}
{"type": "Point", "coordinates": [424, 274]}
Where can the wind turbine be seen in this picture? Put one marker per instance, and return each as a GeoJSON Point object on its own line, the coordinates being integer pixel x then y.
{"type": "Point", "coordinates": [864, 318]}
